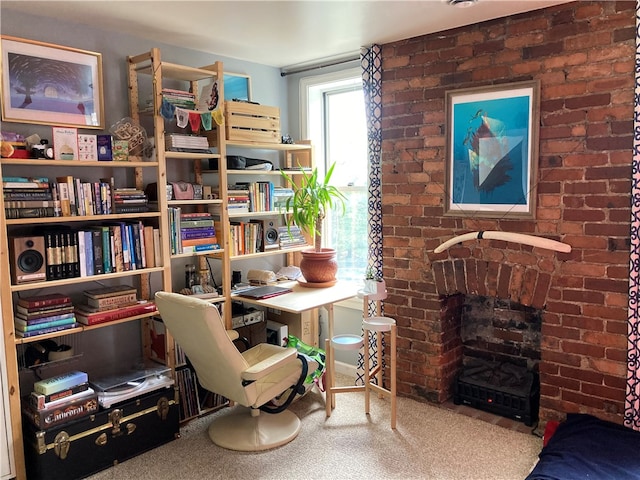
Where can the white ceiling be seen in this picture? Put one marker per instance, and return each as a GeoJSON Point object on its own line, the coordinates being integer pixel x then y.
{"type": "Point", "coordinates": [275, 33]}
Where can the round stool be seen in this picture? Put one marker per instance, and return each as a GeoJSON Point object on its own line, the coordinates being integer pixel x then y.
{"type": "Point", "coordinates": [378, 326]}
{"type": "Point", "coordinates": [338, 342]}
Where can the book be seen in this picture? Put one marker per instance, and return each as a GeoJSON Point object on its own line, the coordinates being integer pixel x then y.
{"type": "Point", "coordinates": [93, 318]}
{"type": "Point", "coordinates": [42, 402]}
{"type": "Point", "coordinates": [43, 312]}
{"type": "Point", "coordinates": [105, 148]}
{"type": "Point", "coordinates": [114, 291]}
{"type": "Point", "coordinates": [69, 181]}
{"type": "Point", "coordinates": [29, 184]}
{"type": "Point", "coordinates": [87, 147]}
{"type": "Point", "coordinates": [209, 247]}
{"type": "Point", "coordinates": [22, 180]}
{"type": "Point", "coordinates": [96, 243]}
{"type": "Point", "coordinates": [44, 318]}
{"type": "Point", "coordinates": [114, 301]}
{"type": "Point", "coordinates": [50, 385]}
{"type": "Point", "coordinates": [88, 252]}
{"type": "Point", "coordinates": [157, 252]}
{"type": "Point", "coordinates": [24, 326]}
{"type": "Point", "coordinates": [47, 300]}
{"type": "Point", "coordinates": [149, 246]}
{"type": "Point", "coordinates": [59, 414]}
{"type": "Point", "coordinates": [43, 331]}
{"type": "Point", "coordinates": [31, 204]}
{"type": "Point", "coordinates": [35, 212]}
{"type": "Point", "coordinates": [63, 195]}
{"type": "Point", "coordinates": [198, 241]}
{"type": "Point", "coordinates": [82, 253]}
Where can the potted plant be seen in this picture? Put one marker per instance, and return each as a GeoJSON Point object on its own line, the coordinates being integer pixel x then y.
{"type": "Point", "coordinates": [311, 200]}
{"type": "Point", "coordinates": [374, 285]}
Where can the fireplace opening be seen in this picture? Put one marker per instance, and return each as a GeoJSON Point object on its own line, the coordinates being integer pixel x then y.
{"type": "Point", "coordinates": [500, 356]}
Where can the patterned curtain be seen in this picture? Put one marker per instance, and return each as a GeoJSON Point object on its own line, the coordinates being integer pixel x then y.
{"type": "Point", "coordinates": [632, 401]}
{"type": "Point", "coordinates": [371, 62]}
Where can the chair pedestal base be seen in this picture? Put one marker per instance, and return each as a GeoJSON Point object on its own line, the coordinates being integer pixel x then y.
{"type": "Point", "coordinates": [240, 431]}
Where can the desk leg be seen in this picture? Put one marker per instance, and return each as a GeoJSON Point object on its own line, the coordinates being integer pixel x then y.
{"type": "Point", "coordinates": [331, 397]}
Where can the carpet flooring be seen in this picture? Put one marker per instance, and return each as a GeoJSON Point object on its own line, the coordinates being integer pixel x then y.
{"type": "Point", "coordinates": [429, 443]}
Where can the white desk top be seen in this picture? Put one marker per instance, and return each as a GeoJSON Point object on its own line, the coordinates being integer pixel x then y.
{"type": "Point", "coordinates": [302, 299]}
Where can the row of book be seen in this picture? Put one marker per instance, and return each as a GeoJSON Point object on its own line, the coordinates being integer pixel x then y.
{"type": "Point", "coordinates": [179, 98]}
{"type": "Point", "coordinates": [60, 399]}
{"type": "Point", "coordinates": [52, 313]}
{"type": "Point", "coordinates": [246, 237]}
{"type": "Point", "coordinates": [191, 232]}
{"type": "Point", "coordinates": [195, 400]}
{"type": "Point", "coordinates": [32, 197]}
{"type": "Point", "coordinates": [116, 247]}
{"type": "Point", "coordinates": [257, 197]}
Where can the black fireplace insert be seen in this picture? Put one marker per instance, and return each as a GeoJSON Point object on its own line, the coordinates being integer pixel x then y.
{"type": "Point", "coordinates": [501, 388]}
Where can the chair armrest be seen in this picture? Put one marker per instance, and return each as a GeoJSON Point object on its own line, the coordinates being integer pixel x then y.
{"type": "Point", "coordinates": [233, 335]}
{"type": "Point", "coordinates": [276, 359]}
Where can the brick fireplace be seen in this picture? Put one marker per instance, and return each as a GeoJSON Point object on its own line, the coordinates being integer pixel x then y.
{"type": "Point", "coordinates": [583, 55]}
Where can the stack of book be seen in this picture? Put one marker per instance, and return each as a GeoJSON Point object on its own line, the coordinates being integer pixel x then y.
{"type": "Point", "coordinates": [130, 200]}
{"type": "Point", "coordinates": [111, 303]}
{"type": "Point", "coordinates": [57, 400]}
{"type": "Point", "coordinates": [238, 199]}
{"type": "Point", "coordinates": [191, 232]}
{"type": "Point", "coordinates": [192, 143]}
{"type": "Point", "coordinates": [179, 98]}
{"type": "Point", "coordinates": [42, 314]}
{"type": "Point", "coordinates": [291, 237]}
{"type": "Point", "coordinates": [29, 197]}
{"type": "Point", "coordinates": [280, 197]}
{"type": "Point", "coordinates": [198, 232]}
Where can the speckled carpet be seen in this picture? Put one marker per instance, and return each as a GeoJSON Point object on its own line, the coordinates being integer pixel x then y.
{"type": "Point", "coordinates": [429, 443]}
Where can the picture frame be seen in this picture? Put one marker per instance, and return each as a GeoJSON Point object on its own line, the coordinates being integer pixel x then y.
{"type": "Point", "coordinates": [50, 84]}
{"type": "Point", "coordinates": [491, 153]}
{"type": "Point", "coordinates": [237, 86]}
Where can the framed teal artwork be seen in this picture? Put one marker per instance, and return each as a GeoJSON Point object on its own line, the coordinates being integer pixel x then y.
{"type": "Point", "coordinates": [492, 150]}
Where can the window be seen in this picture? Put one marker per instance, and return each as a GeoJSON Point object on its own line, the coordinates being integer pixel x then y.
{"type": "Point", "coordinates": [336, 123]}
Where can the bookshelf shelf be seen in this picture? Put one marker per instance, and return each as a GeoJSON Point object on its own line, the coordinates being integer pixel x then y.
{"type": "Point", "coordinates": [194, 202]}
{"type": "Point", "coordinates": [268, 253]}
{"type": "Point", "coordinates": [83, 218]}
{"type": "Point", "coordinates": [270, 213]}
{"type": "Point", "coordinates": [83, 328]}
{"type": "Point", "coordinates": [75, 280]}
{"type": "Point", "coordinates": [76, 163]}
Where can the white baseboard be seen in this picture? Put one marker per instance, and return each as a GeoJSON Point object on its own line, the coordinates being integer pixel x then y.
{"type": "Point", "coordinates": [346, 369]}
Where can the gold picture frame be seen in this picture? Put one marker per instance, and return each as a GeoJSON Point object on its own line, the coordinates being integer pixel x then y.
{"type": "Point", "coordinates": [50, 84]}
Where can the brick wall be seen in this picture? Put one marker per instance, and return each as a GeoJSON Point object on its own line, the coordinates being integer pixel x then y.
{"type": "Point", "coordinates": [583, 55]}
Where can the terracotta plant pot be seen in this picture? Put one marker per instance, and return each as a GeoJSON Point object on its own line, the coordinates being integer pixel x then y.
{"type": "Point", "coordinates": [319, 267]}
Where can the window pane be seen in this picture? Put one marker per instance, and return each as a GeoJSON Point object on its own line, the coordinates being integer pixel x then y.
{"type": "Point", "coordinates": [346, 145]}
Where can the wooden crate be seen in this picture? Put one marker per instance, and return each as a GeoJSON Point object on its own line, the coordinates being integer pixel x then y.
{"type": "Point", "coordinates": [246, 122]}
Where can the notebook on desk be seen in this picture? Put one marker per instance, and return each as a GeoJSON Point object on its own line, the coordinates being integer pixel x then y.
{"type": "Point", "coordinates": [268, 291]}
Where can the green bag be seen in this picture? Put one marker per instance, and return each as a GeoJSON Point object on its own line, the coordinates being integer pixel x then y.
{"type": "Point", "coordinates": [315, 353]}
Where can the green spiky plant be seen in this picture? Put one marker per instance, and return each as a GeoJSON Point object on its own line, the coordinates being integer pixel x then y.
{"type": "Point", "coordinates": [312, 198]}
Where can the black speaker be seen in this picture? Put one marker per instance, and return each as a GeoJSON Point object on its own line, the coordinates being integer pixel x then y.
{"type": "Point", "coordinates": [271, 235]}
{"type": "Point", "coordinates": [27, 259]}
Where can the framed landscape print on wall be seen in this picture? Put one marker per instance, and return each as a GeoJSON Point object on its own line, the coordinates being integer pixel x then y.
{"type": "Point", "coordinates": [50, 84]}
{"type": "Point", "coordinates": [492, 150]}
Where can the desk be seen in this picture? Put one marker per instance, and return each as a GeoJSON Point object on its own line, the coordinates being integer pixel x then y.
{"type": "Point", "coordinates": [303, 299]}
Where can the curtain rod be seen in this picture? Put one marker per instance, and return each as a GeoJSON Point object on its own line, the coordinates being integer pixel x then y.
{"type": "Point", "coordinates": [319, 65]}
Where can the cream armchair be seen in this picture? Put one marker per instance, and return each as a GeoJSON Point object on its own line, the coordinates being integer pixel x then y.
{"type": "Point", "coordinates": [251, 379]}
